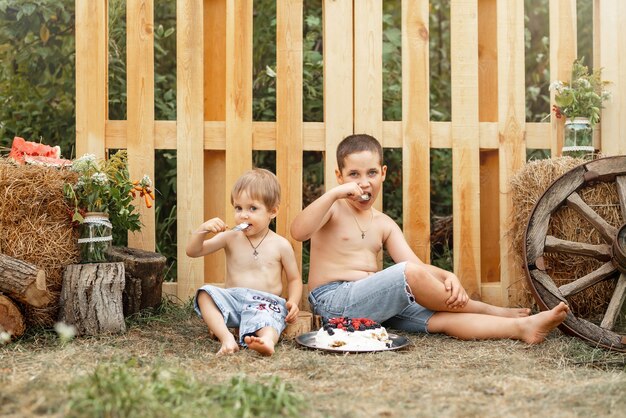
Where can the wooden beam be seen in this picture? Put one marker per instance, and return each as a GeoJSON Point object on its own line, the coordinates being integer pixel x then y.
{"type": "Point", "coordinates": [596, 276]}
{"type": "Point", "coordinates": [140, 109]}
{"type": "Point", "coordinates": [91, 76]}
{"type": "Point", "coordinates": [615, 305]}
{"type": "Point", "coordinates": [189, 144]}
{"type": "Point", "coordinates": [607, 231]}
{"type": "Point", "coordinates": [416, 126]}
{"type": "Point", "coordinates": [600, 252]}
{"type": "Point", "coordinates": [465, 144]}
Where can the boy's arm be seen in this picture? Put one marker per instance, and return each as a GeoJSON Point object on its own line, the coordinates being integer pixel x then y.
{"type": "Point", "coordinates": [315, 216]}
{"type": "Point", "coordinates": [197, 246]}
{"type": "Point", "coordinates": [294, 281]}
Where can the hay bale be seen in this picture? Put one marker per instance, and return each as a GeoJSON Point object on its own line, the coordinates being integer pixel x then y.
{"type": "Point", "coordinates": [35, 226]}
{"type": "Point", "coordinates": [527, 187]}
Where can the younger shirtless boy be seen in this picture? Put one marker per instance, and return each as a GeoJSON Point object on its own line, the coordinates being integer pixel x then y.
{"type": "Point", "coordinates": [347, 234]}
{"type": "Point", "coordinates": [255, 260]}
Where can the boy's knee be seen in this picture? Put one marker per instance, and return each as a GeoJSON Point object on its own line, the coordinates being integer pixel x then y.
{"type": "Point", "coordinates": [414, 272]}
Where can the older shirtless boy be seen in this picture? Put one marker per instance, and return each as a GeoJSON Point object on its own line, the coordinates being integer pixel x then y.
{"type": "Point", "coordinates": [347, 234]}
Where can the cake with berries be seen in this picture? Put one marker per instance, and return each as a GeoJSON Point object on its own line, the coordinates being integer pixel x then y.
{"type": "Point", "coordinates": [358, 334]}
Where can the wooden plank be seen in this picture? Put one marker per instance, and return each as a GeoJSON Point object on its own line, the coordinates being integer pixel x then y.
{"type": "Point", "coordinates": [511, 131]}
{"type": "Point", "coordinates": [289, 129]}
{"type": "Point", "coordinates": [91, 77]}
{"type": "Point", "coordinates": [465, 144]}
{"type": "Point", "coordinates": [215, 127]}
{"type": "Point", "coordinates": [368, 74]}
{"type": "Point", "coordinates": [489, 162]}
{"type": "Point", "coordinates": [140, 109]}
{"type": "Point", "coordinates": [238, 95]}
{"type": "Point", "coordinates": [338, 80]}
{"type": "Point", "coordinates": [563, 49]}
{"type": "Point", "coordinates": [189, 132]}
{"type": "Point", "coordinates": [612, 14]}
{"type": "Point", "coordinates": [603, 272]}
{"type": "Point", "coordinates": [615, 305]}
{"type": "Point", "coordinates": [416, 126]}
{"type": "Point", "coordinates": [491, 293]}
{"type": "Point", "coordinates": [606, 169]}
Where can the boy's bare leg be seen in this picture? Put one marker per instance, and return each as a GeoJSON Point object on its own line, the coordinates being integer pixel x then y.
{"type": "Point", "coordinates": [215, 321]}
{"type": "Point", "coordinates": [431, 294]}
{"type": "Point", "coordinates": [264, 342]}
{"type": "Point", "coordinates": [469, 326]}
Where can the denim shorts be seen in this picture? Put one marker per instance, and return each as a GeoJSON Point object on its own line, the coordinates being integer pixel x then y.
{"type": "Point", "coordinates": [384, 297]}
{"type": "Point", "coordinates": [247, 309]}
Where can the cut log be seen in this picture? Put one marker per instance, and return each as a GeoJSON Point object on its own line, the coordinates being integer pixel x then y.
{"type": "Point", "coordinates": [11, 319]}
{"type": "Point", "coordinates": [146, 268]}
{"type": "Point", "coordinates": [301, 326]}
{"type": "Point", "coordinates": [91, 298]}
{"type": "Point", "coordinates": [23, 282]}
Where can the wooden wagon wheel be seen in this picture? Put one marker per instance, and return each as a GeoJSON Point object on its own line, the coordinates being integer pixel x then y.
{"type": "Point", "coordinates": [564, 191]}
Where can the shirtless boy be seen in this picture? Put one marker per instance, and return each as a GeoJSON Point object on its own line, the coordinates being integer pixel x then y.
{"type": "Point", "coordinates": [347, 234]}
{"type": "Point", "coordinates": [255, 260]}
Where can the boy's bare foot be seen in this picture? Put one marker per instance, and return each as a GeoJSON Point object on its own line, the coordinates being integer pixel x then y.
{"type": "Point", "coordinates": [262, 346]}
{"type": "Point", "coordinates": [536, 328]}
{"type": "Point", "coordinates": [228, 347]}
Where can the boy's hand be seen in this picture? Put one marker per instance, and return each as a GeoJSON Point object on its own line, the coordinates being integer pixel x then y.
{"type": "Point", "coordinates": [214, 225]}
{"type": "Point", "coordinates": [293, 312]}
{"type": "Point", "coordinates": [458, 296]}
{"type": "Point", "coordinates": [350, 191]}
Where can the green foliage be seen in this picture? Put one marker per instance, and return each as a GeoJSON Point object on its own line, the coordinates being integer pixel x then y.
{"type": "Point", "coordinates": [37, 72]}
{"type": "Point", "coordinates": [128, 391]}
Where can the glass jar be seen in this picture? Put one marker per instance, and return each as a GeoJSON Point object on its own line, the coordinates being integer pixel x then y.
{"type": "Point", "coordinates": [95, 238]}
{"type": "Point", "coordinates": [578, 137]}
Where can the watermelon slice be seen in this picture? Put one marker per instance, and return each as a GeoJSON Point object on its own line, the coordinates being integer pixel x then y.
{"type": "Point", "coordinates": [23, 151]}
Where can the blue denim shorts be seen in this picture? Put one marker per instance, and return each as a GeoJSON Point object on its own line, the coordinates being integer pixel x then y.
{"type": "Point", "coordinates": [384, 297]}
{"type": "Point", "coordinates": [247, 309]}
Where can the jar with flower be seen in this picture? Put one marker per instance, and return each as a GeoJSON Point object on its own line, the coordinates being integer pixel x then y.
{"type": "Point", "coordinates": [579, 101]}
{"type": "Point", "coordinates": [102, 199]}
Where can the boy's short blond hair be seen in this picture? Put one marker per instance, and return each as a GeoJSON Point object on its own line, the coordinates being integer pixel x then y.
{"type": "Point", "coordinates": [353, 144]}
{"type": "Point", "coordinates": [259, 184]}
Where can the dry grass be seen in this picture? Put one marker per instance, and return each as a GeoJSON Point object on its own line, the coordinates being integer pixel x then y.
{"type": "Point", "coordinates": [436, 376]}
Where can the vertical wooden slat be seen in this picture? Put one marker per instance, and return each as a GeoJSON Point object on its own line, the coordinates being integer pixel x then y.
{"type": "Point", "coordinates": [416, 127]}
{"type": "Point", "coordinates": [511, 130]}
{"type": "Point", "coordinates": [465, 144]}
{"type": "Point", "coordinates": [238, 95]}
{"type": "Point", "coordinates": [338, 80]}
{"type": "Point", "coordinates": [563, 49]}
{"type": "Point", "coordinates": [613, 62]}
{"type": "Point", "coordinates": [91, 76]}
{"type": "Point", "coordinates": [189, 140]}
{"type": "Point", "coordinates": [488, 112]}
{"type": "Point", "coordinates": [214, 110]}
{"type": "Point", "coordinates": [140, 93]}
{"type": "Point", "coordinates": [289, 132]}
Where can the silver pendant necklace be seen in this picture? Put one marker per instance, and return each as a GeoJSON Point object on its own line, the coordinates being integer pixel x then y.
{"type": "Point", "coordinates": [255, 253]}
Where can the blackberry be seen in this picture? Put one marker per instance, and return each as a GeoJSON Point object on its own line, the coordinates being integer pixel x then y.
{"type": "Point", "coordinates": [330, 331]}
{"type": "Point", "coordinates": [362, 327]}
{"type": "Point", "coordinates": [350, 328]}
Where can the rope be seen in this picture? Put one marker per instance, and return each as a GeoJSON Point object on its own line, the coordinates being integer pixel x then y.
{"type": "Point", "coordinates": [100, 221]}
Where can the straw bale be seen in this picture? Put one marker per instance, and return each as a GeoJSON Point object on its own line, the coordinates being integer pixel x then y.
{"type": "Point", "coordinates": [527, 187]}
{"type": "Point", "coordinates": [35, 226]}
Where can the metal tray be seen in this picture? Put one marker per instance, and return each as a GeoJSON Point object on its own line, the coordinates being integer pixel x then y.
{"type": "Point", "coordinates": [308, 340]}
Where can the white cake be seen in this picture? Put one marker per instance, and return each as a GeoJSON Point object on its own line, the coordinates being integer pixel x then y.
{"type": "Point", "coordinates": [358, 334]}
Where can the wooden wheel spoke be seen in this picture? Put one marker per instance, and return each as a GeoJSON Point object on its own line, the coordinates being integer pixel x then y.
{"type": "Point", "coordinates": [596, 276]}
{"type": "Point", "coordinates": [607, 231]}
{"type": "Point", "coordinates": [620, 181]}
{"type": "Point", "coordinates": [600, 252]}
{"type": "Point", "coordinates": [617, 300]}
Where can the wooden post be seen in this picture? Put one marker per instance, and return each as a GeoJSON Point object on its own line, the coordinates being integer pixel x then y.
{"type": "Point", "coordinates": [91, 298]}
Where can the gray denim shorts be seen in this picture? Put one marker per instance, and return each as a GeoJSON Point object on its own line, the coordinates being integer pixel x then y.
{"type": "Point", "coordinates": [384, 297]}
{"type": "Point", "coordinates": [247, 309]}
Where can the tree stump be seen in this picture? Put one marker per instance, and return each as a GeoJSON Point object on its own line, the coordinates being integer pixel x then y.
{"type": "Point", "coordinates": [144, 277]}
{"type": "Point", "coordinates": [91, 298]}
{"type": "Point", "coordinates": [11, 318]}
{"type": "Point", "coordinates": [301, 326]}
{"type": "Point", "coordinates": [23, 282]}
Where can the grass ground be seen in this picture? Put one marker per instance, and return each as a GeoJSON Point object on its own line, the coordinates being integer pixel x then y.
{"type": "Point", "coordinates": [165, 365]}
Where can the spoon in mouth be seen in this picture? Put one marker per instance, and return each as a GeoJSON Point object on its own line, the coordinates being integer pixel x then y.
{"type": "Point", "coordinates": [241, 226]}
